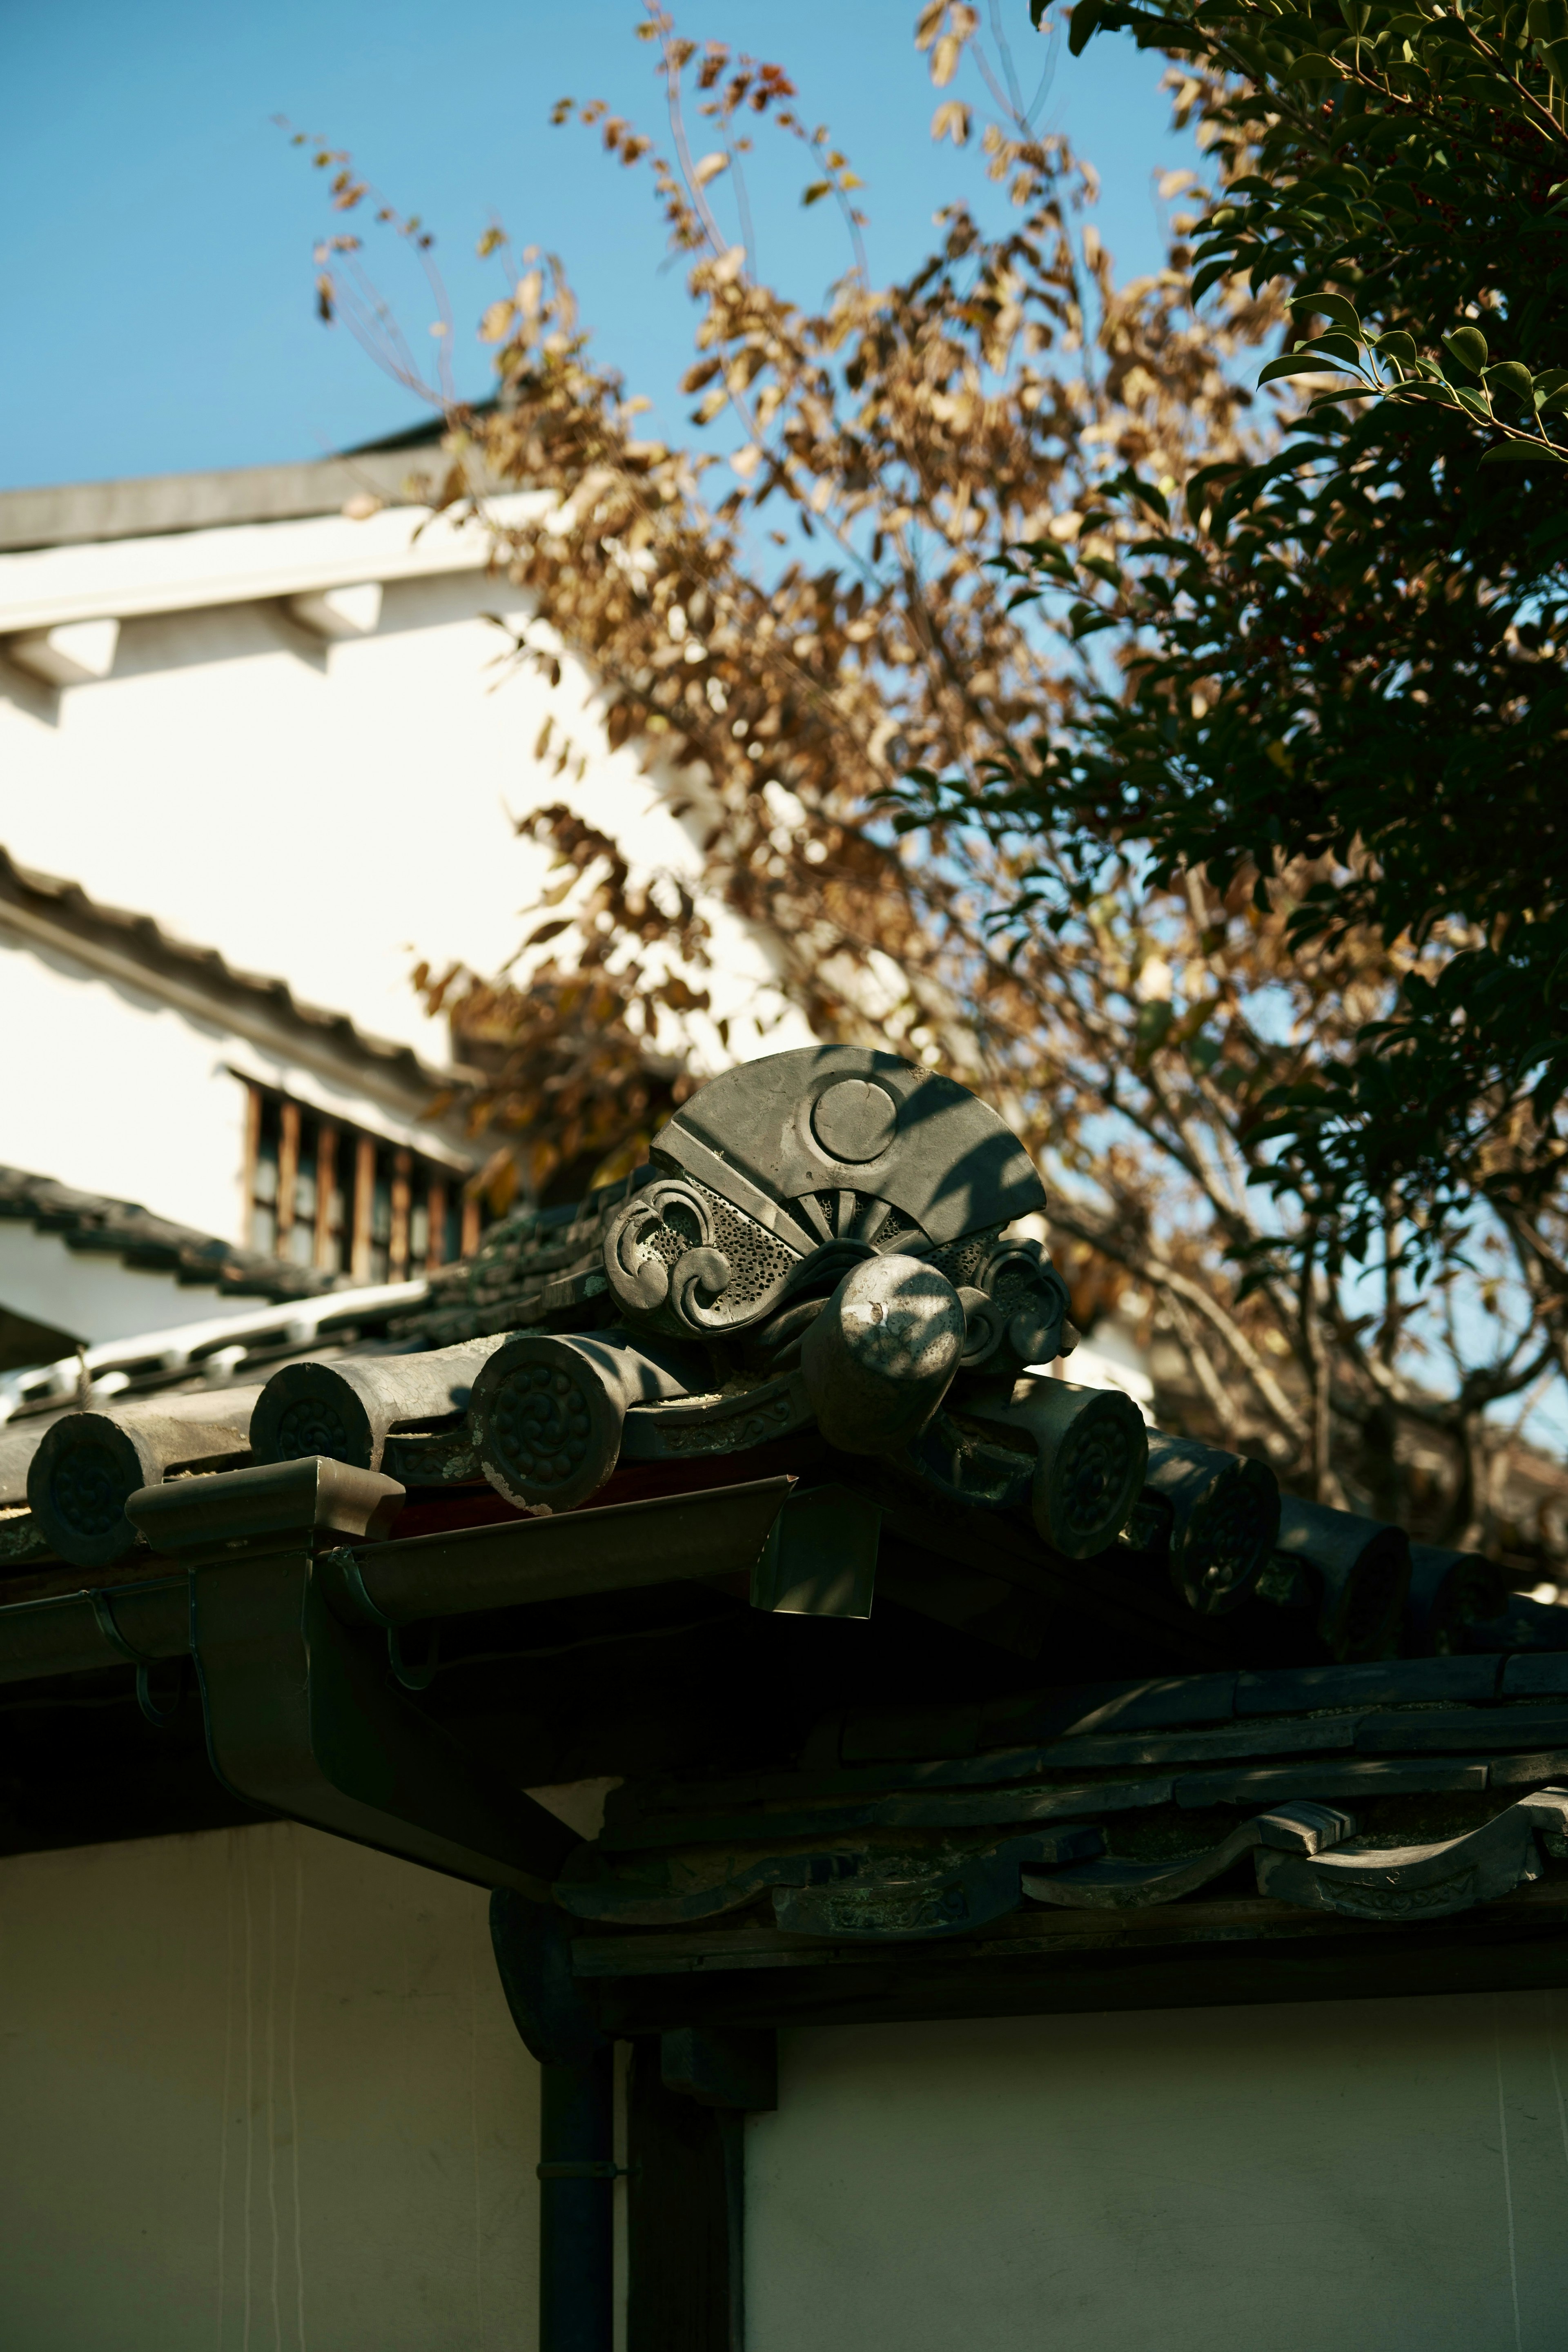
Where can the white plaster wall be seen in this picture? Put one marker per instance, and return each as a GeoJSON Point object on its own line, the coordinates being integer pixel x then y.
{"type": "Point", "coordinates": [260, 2089]}
{"type": "Point", "coordinates": [92, 1297]}
{"type": "Point", "coordinates": [110, 1091]}
{"type": "Point", "coordinates": [1382, 2175]}
{"type": "Point", "coordinates": [332, 815]}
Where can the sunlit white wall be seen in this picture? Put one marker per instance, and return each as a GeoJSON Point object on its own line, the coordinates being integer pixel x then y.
{"type": "Point", "coordinates": [330, 815]}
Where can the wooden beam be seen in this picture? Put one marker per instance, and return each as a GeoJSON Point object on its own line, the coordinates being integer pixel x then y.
{"type": "Point", "coordinates": [436, 1199]}
{"type": "Point", "coordinates": [252, 1147]}
{"type": "Point", "coordinates": [398, 1251]}
{"type": "Point", "coordinates": [684, 2216]}
{"type": "Point", "coordinates": [326, 1185]}
{"type": "Point", "coordinates": [722, 2070]}
{"type": "Point", "coordinates": [470, 1226]}
{"type": "Point", "coordinates": [365, 1206]}
{"type": "Point", "coordinates": [287, 1171]}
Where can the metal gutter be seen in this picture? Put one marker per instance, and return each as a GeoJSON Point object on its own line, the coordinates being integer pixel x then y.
{"type": "Point", "coordinates": [719, 1531]}
{"type": "Point", "coordinates": [77, 1634]}
{"type": "Point", "coordinates": [293, 1632]}
{"type": "Point", "coordinates": [716, 1532]}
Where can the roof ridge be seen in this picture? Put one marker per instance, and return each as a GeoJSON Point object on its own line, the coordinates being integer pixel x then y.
{"type": "Point", "coordinates": [69, 904]}
{"type": "Point", "coordinates": [102, 1224]}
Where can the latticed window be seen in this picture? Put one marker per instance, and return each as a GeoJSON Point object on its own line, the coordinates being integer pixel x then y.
{"type": "Point", "coordinates": [323, 1194]}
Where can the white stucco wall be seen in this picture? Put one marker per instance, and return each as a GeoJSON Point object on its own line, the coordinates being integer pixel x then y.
{"type": "Point", "coordinates": [330, 814]}
{"type": "Point", "coordinates": [112, 1091]}
{"type": "Point", "coordinates": [92, 1298]}
{"type": "Point", "coordinates": [1382, 2175]}
{"type": "Point", "coordinates": [260, 2088]}
{"type": "Point", "coordinates": [108, 1090]}
{"type": "Point", "coordinates": [260, 2072]}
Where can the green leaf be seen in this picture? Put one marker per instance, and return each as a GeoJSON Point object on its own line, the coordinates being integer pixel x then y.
{"type": "Point", "coordinates": [1210, 275]}
{"type": "Point", "coordinates": [1397, 345]}
{"type": "Point", "coordinates": [1550, 380]}
{"type": "Point", "coordinates": [1469, 346]}
{"type": "Point", "coordinates": [1511, 453]}
{"type": "Point", "coordinates": [1153, 1019]}
{"type": "Point", "coordinates": [1476, 402]}
{"type": "Point", "coordinates": [1148, 494]}
{"type": "Point", "coordinates": [1085, 17]}
{"type": "Point", "coordinates": [1311, 66]}
{"type": "Point", "coordinates": [1332, 307]}
{"type": "Point", "coordinates": [1511, 376]}
{"type": "Point", "coordinates": [1301, 363]}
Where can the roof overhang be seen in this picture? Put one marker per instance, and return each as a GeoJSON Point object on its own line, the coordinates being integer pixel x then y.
{"type": "Point", "coordinates": [133, 951]}
{"type": "Point", "coordinates": [194, 569]}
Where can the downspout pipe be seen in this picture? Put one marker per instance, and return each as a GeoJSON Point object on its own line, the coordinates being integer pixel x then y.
{"type": "Point", "coordinates": [558, 2023]}
{"type": "Point", "coordinates": [576, 2214]}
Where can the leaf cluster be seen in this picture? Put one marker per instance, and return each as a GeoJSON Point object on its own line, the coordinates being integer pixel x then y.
{"type": "Point", "coordinates": [1353, 654]}
{"type": "Point", "coordinates": [894, 552]}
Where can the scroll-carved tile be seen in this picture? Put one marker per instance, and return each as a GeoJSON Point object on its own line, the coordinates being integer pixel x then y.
{"type": "Point", "coordinates": [1110, 1885]}
{"type": "Point", "coordinates": [724, 1421]}
{"type": "Point", "coordinates": [1420, 1882]}
{"type": "Point", "coordinates": [819, 1889]}
{"type": "Point", "coordinates": [931, 1891]}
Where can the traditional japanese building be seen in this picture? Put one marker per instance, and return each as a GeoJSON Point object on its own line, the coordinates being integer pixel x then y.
{"type": "Point", "coordinates": [687, 1792]}
{"type": "Point", "coordinates": [265, 746]}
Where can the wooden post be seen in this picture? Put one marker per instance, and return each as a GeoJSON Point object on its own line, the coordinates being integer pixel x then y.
{"type": "Point", "coordinates": [684, 2216]}
{"type": "Point", "coordinates": [365, 1206]}
{"type": "Point", "coordinates": [397, 1250]}
{"type": "Point", "coordinates": [470, 1226]}
{"type": "Point", "coordinates": [288, 1169]}
{"type": "Point", "coordinates": [576, 2210]}
{"type": "Point", "coordinates": [326, 1182]}
{"type": "Point", "coordinates": [435, 1209]}
{"type": "Point", "coordinates": [252, 1147]}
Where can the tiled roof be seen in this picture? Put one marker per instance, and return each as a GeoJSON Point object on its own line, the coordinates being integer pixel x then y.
{"type": "Point", "coordinates": [73, 514]}
{"type": "Point", "coordinates": [78, 514]}
{"type": "Point", "coordinates": [60, 913]}
{"type": "Point", "coordinates": [122, 1229]}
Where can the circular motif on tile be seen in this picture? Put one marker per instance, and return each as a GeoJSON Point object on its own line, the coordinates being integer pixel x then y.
{"type": "Point", "coordinates": [88, 1490]}
{"type": "Point", "coordinates": [543, 1428]}
{"type": "Point", "coordinates": [311, 1425]}
{"type": "Point", "coordinates": [854, 1121]}
{"type": "Point", "coordinates": [544, 1422]}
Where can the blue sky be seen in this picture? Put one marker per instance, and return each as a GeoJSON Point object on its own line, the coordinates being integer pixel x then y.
{"type": "Point", "coordinates": [156, 269]}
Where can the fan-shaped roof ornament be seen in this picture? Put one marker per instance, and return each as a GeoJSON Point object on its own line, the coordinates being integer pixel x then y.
{"type": "Point", "coordinates": [825, 1118]}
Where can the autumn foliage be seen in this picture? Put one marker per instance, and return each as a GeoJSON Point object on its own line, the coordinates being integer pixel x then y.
{"type": "Point", "coordinates": [796, 617]}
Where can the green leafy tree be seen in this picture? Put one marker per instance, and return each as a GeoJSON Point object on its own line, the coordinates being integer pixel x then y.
{"type": "Point", "coordinates": [1343, 667]}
